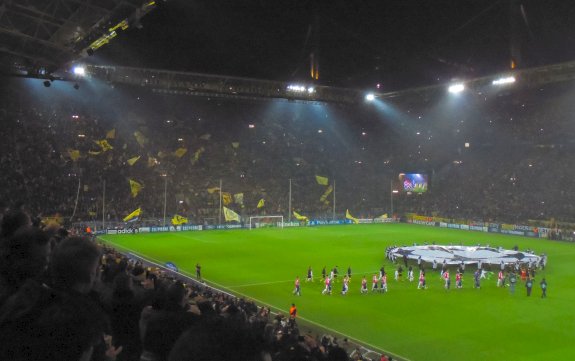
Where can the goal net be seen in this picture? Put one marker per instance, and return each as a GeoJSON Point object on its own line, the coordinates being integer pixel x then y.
{"type": "Point", "coordinates": [267, 222]}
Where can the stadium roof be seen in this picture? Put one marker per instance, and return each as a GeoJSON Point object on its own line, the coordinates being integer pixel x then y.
{"type": "Point", "coordinates": [382, 45]}
{"type": "Point", "coordinates": [37, 37]}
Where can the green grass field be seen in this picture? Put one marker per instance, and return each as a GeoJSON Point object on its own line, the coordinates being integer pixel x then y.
{"type": "Point", "coordinates": [427, 325]}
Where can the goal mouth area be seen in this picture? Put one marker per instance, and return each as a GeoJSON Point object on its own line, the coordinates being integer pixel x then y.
{"type": "Point", "coordinates": [455, 255]}
{"type": "Point", "coordinates": [266, 222]}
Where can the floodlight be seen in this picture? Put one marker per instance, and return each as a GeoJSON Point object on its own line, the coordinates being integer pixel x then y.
{"type": "Point", "coordinates": [79, 70]}
{"type": "Point", "coordinates": [296, 88]}
{"type": "Point", "coordinates": [502, 81]}
{"type": "Point", "coordinates": [310, 90]}
{"type": "Point", "coordinates": [456, 88]}
{"type": "Point", "coordinates": [370, 97]}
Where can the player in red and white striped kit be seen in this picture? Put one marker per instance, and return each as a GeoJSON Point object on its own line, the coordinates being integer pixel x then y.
{"type": "Point", "coordinates": [383, 281]}
{"type": "Point", "coordinates": [363, 285]}
{"type": "Point", "coordinates": [327, 288]}
{"type": "Point", "coordinates": [374, 283]}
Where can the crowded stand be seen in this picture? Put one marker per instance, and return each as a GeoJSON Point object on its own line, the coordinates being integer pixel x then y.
{"type": "Point", "coordinates": [181, 147]}
{"type": "Point", "coordinates": [66, 152]}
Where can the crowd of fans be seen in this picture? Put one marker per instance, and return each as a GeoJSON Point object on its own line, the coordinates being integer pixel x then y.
{"type": "Point", "coordinates": [492, 157]}
{"type": "Point", "coordinates": [65, 297]}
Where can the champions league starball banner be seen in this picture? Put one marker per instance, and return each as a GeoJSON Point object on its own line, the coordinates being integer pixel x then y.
{"type": "Point", "coordinates": [454, 255]}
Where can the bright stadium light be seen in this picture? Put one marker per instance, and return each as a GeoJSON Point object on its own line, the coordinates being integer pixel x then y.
{"type": "Point", "coordinates": [311, 90]}
{"type": "Point", "coordinates": [456, 88]}
{"type": "Point", "coordinates": [296, 88]}
{"type": "Point", "coordinates": [503, 81]}
{"type": "Point", "coordinates": [79, 70]}
{"type": "Point", "coordinates": [370, 97]}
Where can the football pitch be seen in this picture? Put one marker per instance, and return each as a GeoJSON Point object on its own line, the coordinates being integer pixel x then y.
{"type": "Point", "coordinates": [420, 325]}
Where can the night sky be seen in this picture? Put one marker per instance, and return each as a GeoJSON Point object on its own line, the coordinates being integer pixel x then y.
{"type": "Point", "coordinates": [396, 43]}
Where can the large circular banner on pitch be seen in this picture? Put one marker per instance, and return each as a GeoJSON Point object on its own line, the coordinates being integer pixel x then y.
{"type": "Point", "coordinates": [453, 255]}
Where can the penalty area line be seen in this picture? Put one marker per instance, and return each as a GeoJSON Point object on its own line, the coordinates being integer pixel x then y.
{"type": "Point", "coordinates": [188, 275]}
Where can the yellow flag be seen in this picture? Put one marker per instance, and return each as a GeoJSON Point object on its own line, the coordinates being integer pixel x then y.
{"type": "Point", "coordinates": [133, 215]}
{"type": "Point", "coordinates": [299, 217]}
{"type": "Point", "coordinates": [383, 216]}
{"type": "Point", "coordinates": [326, 194]}
{"type": "Point", "coordinates": [74, 154]}
{"type": "Point", "coordinates": [213, 190]}
{"type": "Point", "coordinates": [197, 154]}
{"type": "Point", "coordinates": [350, 217]}
{"type": "Point", "coordinates": [104, 145]}
{"type": "Point", "coordinates": [321, 180]}
{"type": "Point", "coordinates": [261, 203]}
{"type": "Point", "coordinates": [226, 198]}
{"type": "Point", "coordinates": [135, 187]}
{"type": "Point", "coordinates": [239, 198]}
{"type": "Point", "coordinates": [111, 134]}
{"type": "Point", "coordinates": [178, 220]}
{"type": "Point", "coordinates": [133, 161]}
{"type": "Point", "coordinates": [230, 215]}
{"type": "Point", "coordinates": [236, 145]}
{"type": "Point", "coordinates": [180, 152]}
{"type": "Point", "coordinates": [140, 138]}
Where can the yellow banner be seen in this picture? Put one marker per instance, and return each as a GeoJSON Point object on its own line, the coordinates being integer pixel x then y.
{"type": "Point", "coordinates": [140, 138]}
{"type": "Point", "coordinates": [135, 188]}
{"type": "Point", "coordinates": [133, 160]}
{"type": "Point", "coordinates": [178, 220]}
{"type": "Point", "coordinates": [226, 198]}
{"type": "Point", "coordinates": [350, 217]}
{"type": "Point", "coordinates": [133, 215]}
{"type": "Point", "coordinates": [104, 145]}
{"type": "Point", "coordinates": [326, 194]}
{"type": "Point", "coordinates": [299, 217]}
{"type": "Point", "coordinates": [74, 154]}
{"type": "Point", "coordinates": [180, 152]}
{"type": "Point", "coordinates": [230, 215]}
{"type": "Point", "coordinates": [261, 203]}
{"type": "Point", "coordinates": [321, 180]}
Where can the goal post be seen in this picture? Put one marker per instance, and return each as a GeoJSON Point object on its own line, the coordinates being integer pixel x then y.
{"type": "Point", "coordinates": [266, 222]}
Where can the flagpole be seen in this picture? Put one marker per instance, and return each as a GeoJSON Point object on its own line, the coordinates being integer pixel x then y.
{"type": "Point", "coordinates": [104, 205]}
{"type": "Point", "coordinates": [165, 196]}
{"type": "Point", "coordinates": [334, 199]}
{"type": "Point", "coordinates": [220, 216]}
{"type": "Point", "coordinates": [289, 202]}
{"type": "Point", "coordinates": [391, 196]}
{"type": "Point", "coordinates": [77, 196]}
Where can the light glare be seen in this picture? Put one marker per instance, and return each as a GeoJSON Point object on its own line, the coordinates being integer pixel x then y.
{"type": "Point", "coordinates": [370, 97]}
{"type": "Point", "coordinates": [502, 81]}
{"type": "Point", "coordinates": [456, 88]}
{"type": "Point", "coordinates": [79, 70]}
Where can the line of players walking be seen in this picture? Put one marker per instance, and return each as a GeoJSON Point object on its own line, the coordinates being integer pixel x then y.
{"type": "Point", "coordinates": [379, 280]}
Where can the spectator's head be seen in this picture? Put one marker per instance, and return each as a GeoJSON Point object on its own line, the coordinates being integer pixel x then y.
{"type": "Point", "coordinates": [175, 296]}
{"type": "Point", "coordinates": [24, 255]}
{"type": "Point", "coordinates": [123, 285]}
{"type": "Point", "coordinates": [12, 221]}
{"type": "Point", "coordinates": [217, 339]}
{"type": "Point", "coordinates": [74, 265]}
{"type": "Point", "coordinates": [49, 327]}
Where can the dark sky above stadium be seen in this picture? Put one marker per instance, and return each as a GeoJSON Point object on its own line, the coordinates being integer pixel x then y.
{"type": "Point", "coordinates": [396, 43]}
